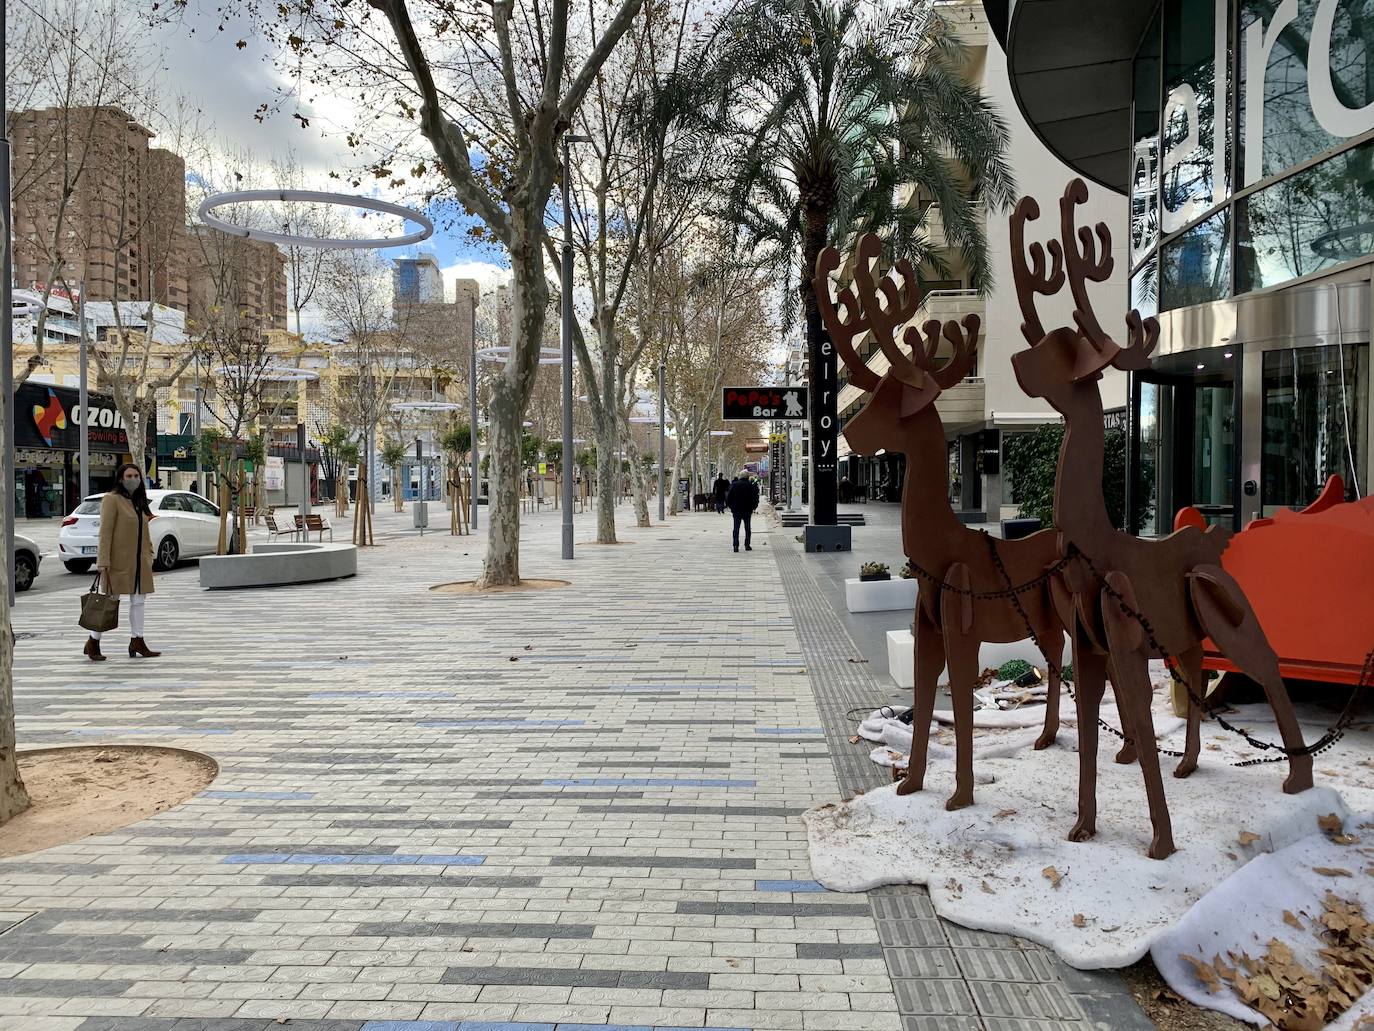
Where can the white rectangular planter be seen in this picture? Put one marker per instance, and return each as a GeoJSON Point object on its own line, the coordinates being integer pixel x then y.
{"type": "Point", "coordinates": [880, 595]}
{"type": "Point", "coordinates": [901, 661]}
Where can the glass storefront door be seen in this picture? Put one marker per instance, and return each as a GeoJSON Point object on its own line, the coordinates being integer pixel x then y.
{"type": "Point", "coordinates": [1315, 423]}
{"type": "Point", "coordinates": [1184, 446]}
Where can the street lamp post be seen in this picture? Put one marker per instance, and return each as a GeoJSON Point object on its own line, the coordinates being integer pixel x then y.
{"type": "Point", "coordinates": [472, 408]}
{"type": "Point", "coordinates": [6, 323]}
{"type": "Point", "coordinates": [691, 492]}
{"type": "Point", "coordinates": [84, 399]}
{"type": "Point", "coordinates": [567, 341]}
{"type": "Point", "coordinates": [662, 434]}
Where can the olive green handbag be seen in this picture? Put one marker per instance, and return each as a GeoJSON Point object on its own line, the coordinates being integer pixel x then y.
{"type": "Point", "coordinates": [99, 612]}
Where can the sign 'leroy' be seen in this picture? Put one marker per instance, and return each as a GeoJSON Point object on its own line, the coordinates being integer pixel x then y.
{"type": "Point", "coordinates": [763, 403]}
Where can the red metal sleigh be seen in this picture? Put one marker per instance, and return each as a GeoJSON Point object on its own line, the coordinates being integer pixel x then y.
{"type": "Point", "coordinates": [1310, 577]}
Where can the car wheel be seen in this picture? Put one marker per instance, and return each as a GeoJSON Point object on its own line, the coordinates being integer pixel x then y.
{"type": "Point", "coordinates": [79, 565]}
{"type": "Point", "coordinates": [167, 552]}
{"type": "Point", "coordinates": [25, 569]}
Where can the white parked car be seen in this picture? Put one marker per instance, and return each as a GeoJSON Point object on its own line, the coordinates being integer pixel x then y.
{"type": "Point", "coordinates": [27, 559]}
{"type": "Point", "coordinates": [184, 525]}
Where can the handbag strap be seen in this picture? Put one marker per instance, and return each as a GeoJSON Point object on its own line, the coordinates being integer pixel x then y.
{"type": "Point", "coordinates": [95, 584]}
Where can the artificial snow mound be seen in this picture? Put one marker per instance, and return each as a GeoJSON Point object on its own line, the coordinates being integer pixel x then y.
{"type": "Point", "coordinates": [1245, 911]}
{"type": "Point", "coordinates": [994, 866]}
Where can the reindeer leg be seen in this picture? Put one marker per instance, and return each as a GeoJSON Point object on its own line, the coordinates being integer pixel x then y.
{"type": "Point", "coordinates": [1226, 616]}
{"type": "Point", "coordinates": [928, 660]}
{"type": "Point", "coordinates": [1190, 668]}
{"type": "Point", "coordinates": [961, 653]}
{"type": "Point", "coordinates": [1089, 681]}
{"type": "Point", "coordinates": [1128, 752]}
{"type": "Point", "coordinates": [1052, 643]}
{"type": "Point", "coordinates": [1134, 692]}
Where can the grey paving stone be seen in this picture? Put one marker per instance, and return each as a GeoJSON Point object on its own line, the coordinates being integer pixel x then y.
{"type": "Point", "coordinates": [657, 862]}
{"type": "Point", "coordinates": [402, 929]}
{"type": "Point", "coordinates": [934, 996]}
{"type": "Point", "coordinates": [930, 962]}
{"type": "Point", "coordinates": [1011, 999]}
{"type": "Point", "coordinates": [62, 989]}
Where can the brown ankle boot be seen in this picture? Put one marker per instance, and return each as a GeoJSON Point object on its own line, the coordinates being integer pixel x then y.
{"type": "Point", "coordinates": [92, 650]}
{"type": "Point", "coordinates": [137, 647]}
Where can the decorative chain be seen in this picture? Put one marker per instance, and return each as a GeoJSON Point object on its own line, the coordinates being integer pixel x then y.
{"type": "Point", "coordinates": [1014, 591]}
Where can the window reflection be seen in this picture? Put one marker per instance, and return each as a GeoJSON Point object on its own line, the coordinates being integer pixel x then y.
{"type": "Point", "coordinates": [1316, 403]}
{"type": "Point", "coordinates": [1196, 267]}
{"type": "Point", "coordinates": [1196, 123]}
{"type": "Point", "coordinates": [1278, 128]}
{"type": "Point", "coordinates": [1145, 288]}
{"type": "Point", "coordinates": [1307, 222]}
{"type": "Point", "coordinates": [1145, 156]}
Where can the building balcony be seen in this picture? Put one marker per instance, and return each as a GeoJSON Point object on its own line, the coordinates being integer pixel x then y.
{"type": "Point", "coordinates": [967, 21]}
{"type": "Point", "coordinates": [960, 405]}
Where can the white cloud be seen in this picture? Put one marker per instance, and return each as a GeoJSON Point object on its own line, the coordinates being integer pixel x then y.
{"type": "Point", "coordinates": [488, 274]}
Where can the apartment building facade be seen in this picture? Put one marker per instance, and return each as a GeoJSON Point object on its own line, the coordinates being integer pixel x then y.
{"type": "Point", "coordinates": [987, 407]}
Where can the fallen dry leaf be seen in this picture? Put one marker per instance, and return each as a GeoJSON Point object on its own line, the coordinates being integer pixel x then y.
{"type": "Point", "coordinates": [1331, 823]}
{"type": "Point", "coordinates": [855, 739]}
{"type": "Point", "coordinates": [1003, 814]}
{"type": "Point", "coordinates": [1330, 871]}
{"type": "Point", "coordinates": [1052, 875]}
{"type": "Point", "coordinates": [1079, 920]}
{"type": "Point", "coordinates": [1247, 837]}
{"type": "Point", "coordinates": [1291, 920]}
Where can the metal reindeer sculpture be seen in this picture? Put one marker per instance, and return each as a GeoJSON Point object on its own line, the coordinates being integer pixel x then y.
{"type": "Point", "coordinates": [1126, 599]}
{"type": "Point", "coordinates": [901, 416]}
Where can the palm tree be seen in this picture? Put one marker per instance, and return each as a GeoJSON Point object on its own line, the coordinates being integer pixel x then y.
{"type": "Point", "coordinates": [851, 119]}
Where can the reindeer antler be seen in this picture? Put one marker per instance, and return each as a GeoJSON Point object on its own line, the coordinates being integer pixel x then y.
{"type": "Point", "coordinates": [843, 332]}
{"type": "Point", "coordinates": [1144, 334]}
{"type": "Point", "coordinates": [1085, 264]}
{"type": "Point", "coordinates": [965, 343]}
{"type": "Point", "coordinates": [1032, 279]}
{"type": "Point", "coordinates": [899, 304]}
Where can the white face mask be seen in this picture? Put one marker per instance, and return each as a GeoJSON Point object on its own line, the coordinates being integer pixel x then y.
{"type": "Point", "coordinates": [131, 483]}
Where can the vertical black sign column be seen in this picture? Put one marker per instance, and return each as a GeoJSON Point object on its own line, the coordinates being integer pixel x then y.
{"type": "Point", "coordinates": [824, 420]}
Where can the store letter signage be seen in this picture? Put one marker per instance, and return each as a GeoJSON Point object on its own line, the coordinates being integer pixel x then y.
{"type": "Point", "coordinates": [1327, 108]}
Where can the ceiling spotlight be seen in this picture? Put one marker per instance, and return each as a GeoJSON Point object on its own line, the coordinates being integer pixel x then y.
{"type": "Point", "coordinates": [1199, 365]}
{"type": "Point", "coordinates": [1227, 354]}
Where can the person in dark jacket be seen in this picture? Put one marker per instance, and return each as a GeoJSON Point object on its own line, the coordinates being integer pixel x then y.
{"type": "Point", "coordinates": [742, 499]}
{"type": "Point", "coordinates": [722, 486]}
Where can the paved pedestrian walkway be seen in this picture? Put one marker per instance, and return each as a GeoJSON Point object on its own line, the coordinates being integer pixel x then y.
{"type": "Point", "coordinates": [569, 809]}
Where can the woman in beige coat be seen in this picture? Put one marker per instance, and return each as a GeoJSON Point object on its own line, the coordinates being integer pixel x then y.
{"type": "Point", "coordinates": [125, 560]}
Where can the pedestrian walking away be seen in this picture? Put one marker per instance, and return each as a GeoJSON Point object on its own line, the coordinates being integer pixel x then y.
{"type": "Point", "coordinates": [125, 558]}
{"type": "Point", "coordinates": [742, 499]}
{"type": "Point", "coordinates": [722, 487]}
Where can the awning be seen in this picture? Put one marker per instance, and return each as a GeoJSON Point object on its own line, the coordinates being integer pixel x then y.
{"type": "Point", "coordinates": [1069, 62]}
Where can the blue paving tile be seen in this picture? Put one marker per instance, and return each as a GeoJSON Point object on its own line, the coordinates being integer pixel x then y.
{"type": "Point", "coordinates": [382, 694]}
{"type": "Point", "coordinates": [646, 782]}
{"type": "Point", "coordinates": [271, 796]}
{"type": "Point", "coordinates": [501, 1025]}
{"type": "Point", "coordinates": [259, 857]}
{"type": "Point", "coordinates": [411, 1025]}
{"type": "Point", "coordinates": [309, 859]}
{"type": "Point", "coordinates": [638, 1027]}
{"type": "Point", "coordinates": [681, 687]}
{"type": "Point", "coordinates": [789, 886]}
{"type": "Point", "coordinates": [789, 730]}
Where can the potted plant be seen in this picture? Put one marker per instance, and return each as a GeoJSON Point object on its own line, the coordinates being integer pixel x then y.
{"type": "Point", "coordinates": [871, 571]}
{"type": "Point", "coordinates": [906, 572]}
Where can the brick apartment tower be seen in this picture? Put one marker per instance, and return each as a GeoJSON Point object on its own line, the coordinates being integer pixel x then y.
{"type": "Point", "coordinates": [123, 225]}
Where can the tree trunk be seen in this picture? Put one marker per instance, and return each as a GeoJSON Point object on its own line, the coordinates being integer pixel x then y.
{"type": "Point", "coordinates": [607, 478]}
{"type": "Point", "coordinates": [639, 481]}
{"type": "Point", "coordinates": [510, 393]}
{"type": "Point", "coordinates": [674, 498]}
{"type": "Point", "coordinates": [14, 797]}
{"type": "Point", "coordinates": [396, 500]}
{"type": "Point", "coordinates": [503, 520]}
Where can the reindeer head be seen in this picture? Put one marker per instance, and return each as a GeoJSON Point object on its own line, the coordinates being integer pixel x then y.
{"type": "Point", "coordinates": [1070, 356]}
{"type": "Point", "coordinates": [913, 382]}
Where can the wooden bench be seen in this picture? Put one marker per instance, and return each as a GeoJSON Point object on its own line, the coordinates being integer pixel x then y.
{"type": "Point", "coordinates": [273, 530]}
{"type": "Point", "coordinates": [314, 524]}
